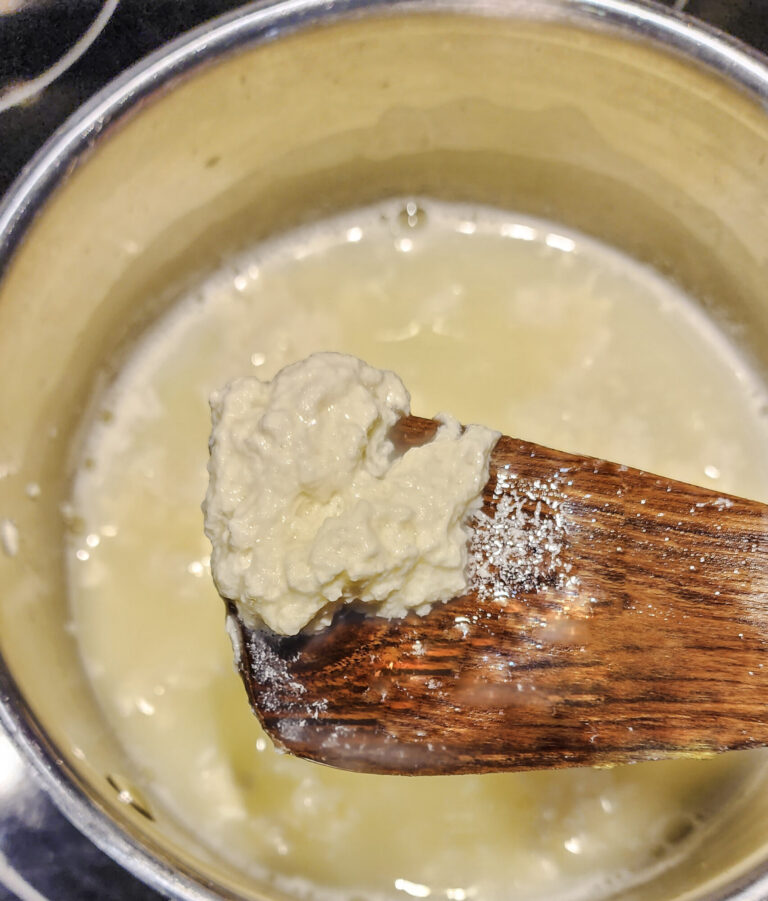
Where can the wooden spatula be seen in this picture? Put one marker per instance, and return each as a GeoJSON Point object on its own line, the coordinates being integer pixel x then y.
{"type": "Point", "coordinates": [613, 616]}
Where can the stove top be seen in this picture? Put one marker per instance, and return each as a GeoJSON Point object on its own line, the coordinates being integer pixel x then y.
{"type": "Point", "coordinates": [43, 857]}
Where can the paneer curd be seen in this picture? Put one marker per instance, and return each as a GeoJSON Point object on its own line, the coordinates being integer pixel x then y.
{"type": "Point", "coordinates": [540, 332]}
{"type": "Point", "coordinates": [309, 503]}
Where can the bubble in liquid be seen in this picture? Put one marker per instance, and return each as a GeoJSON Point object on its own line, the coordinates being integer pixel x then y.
{"type": "Point", "coordinates": [412, 215]}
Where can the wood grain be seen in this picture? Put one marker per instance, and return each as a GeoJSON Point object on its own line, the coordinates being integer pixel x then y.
{"type": "Point", "coordinates": [648, 640]}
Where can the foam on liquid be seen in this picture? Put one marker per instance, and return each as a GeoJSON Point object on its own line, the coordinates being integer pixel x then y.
{"type": "Point", "coordinates": [509, 322]}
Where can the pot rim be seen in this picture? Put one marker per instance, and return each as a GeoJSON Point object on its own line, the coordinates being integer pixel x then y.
{"type": "Point", "coordinates": [69, 146]}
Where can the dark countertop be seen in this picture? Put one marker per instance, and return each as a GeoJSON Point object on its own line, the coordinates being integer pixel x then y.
{"type": "Point", "coordinates": [41, 855]}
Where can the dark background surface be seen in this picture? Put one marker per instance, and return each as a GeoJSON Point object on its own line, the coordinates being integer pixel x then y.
{"type": "Point", "coordinates": [41, 855]}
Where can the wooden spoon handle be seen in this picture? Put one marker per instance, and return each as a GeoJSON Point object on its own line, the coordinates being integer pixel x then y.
{"type": "Point", "coordinates": [642, 635]}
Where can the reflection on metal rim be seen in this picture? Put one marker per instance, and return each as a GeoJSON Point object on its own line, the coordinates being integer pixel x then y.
{"type": "Point", "coordinates": [249, 26]}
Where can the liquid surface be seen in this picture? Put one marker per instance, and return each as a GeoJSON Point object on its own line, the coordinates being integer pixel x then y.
{"type": "Point", "coordinates": [503, 321]}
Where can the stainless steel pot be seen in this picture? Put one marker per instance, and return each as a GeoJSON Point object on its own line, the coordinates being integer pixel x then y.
{"type": "Point", "coordinates": [621, 120]}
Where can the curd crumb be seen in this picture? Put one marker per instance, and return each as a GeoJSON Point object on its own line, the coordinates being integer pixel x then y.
{"type": "Point", "coordinates": [310, 506]}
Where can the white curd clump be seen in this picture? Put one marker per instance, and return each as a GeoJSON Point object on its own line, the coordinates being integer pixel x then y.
{"type": "Point", "coordinates": [310, 505]}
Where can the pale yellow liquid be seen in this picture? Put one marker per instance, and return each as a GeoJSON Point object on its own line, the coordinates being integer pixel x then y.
{"type": "Point", "coordinates": [533, 331]}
